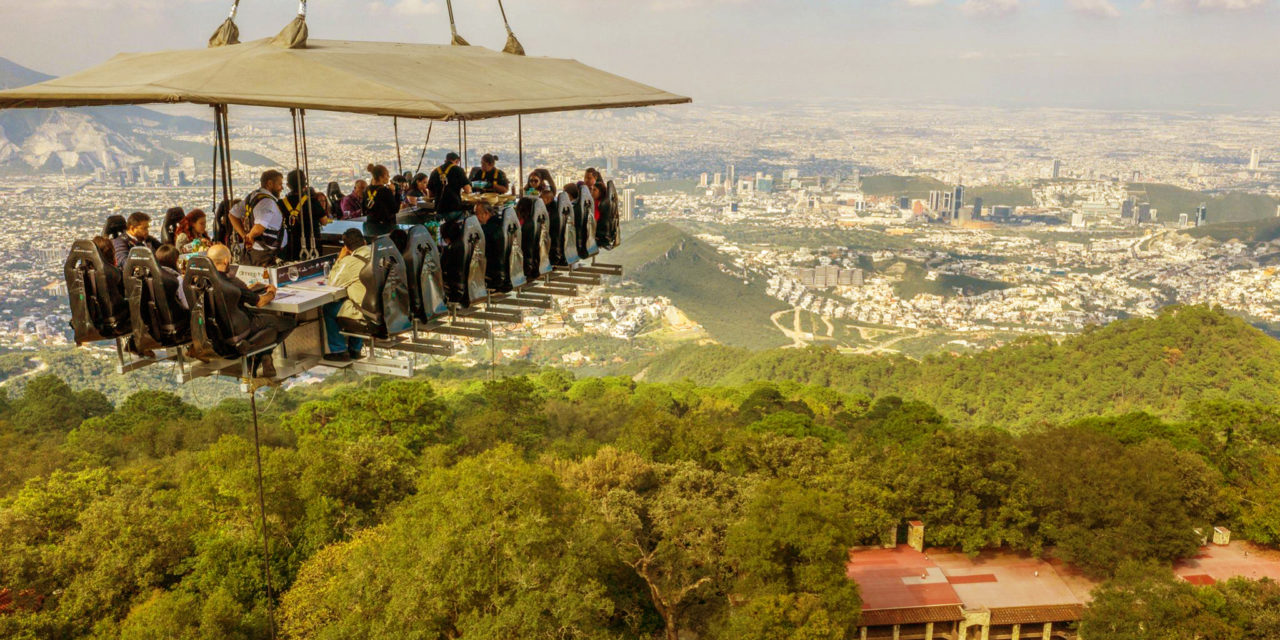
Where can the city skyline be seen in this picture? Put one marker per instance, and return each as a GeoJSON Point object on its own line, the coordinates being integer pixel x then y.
{"type": "Point", "coordinates": [1079, 53]}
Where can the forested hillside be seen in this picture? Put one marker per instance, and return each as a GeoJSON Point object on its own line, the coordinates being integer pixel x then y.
{"type": "Point", "coordinates": [544, 506]}
{"type": "Point", "coordinates": [1163, 365]}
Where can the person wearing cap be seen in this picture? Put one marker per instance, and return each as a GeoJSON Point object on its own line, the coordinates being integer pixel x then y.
{"type": "Point", "coordinates": [447, 184]}
{"type": "Point", "coordinates": [493, 179]}
{"type": "Point", "coordinates": [345, 274]}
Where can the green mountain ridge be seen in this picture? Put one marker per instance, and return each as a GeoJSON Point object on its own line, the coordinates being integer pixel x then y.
{"type": "Point", "coordinates": [667, 261]}
{"type": "Point", "coordinates": [1169, 201]}
{"type": "Point", "coordinates": [1161, 365]}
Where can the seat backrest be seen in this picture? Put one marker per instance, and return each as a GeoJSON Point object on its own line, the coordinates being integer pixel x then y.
{"type": "Point", "coordinates": [154, 313]}
{"type": "Point", "coordinates": [98, 307]}
{"type": "Point", "coordinates": [218, 323]}
{"type": "Point", "coordinates": [609, 229]}
{"type": "Point", "coordinates": [475, 262]}
{"type": "Point", "coordinates": [503, 250]}
{"type": "Point", "coordinates": [169, 228]}
{"type": "Point", "coordinates": [386, 305]}
{"type": "Point", "coordinates": [426, 282]}
{"type": "Point", "coordinates": [584, 216]}
{"type": "Point", "coordinates": [114, 227]}
{"type": "Point", "coordinates": [564, 233]}
{"type": "Point", "coordinates": [535, 238]}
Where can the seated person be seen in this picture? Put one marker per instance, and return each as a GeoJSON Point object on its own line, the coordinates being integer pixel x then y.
{"type": "Point", "coordinates": [192, 234]}
{"type": "Point", "coordinates": [447, 184]}
{"type": "Point", "coordinates": [115, 278]}
{"type": "Point", "coordinates": [355, 254]}
{"type": "Point", "coordinates": [251, 301]}
{"type": "Point", "coordinates": [419, 193]}
{"type": "Point", "coordinates": [167, 258]}
{"type": "Point", "coordinates": [401, 185]}
{"type": "Point", "coordinates": [137, 234]}
{"type": "Point", "coordinates": [400, 238]}
{"type": "Point", "coordinates": [597, 196]}
{"type": "Point", "coordinates": [353, 205]}
{"type": "Point", "coordinates": [548, 195]}
{"type": "Point", "coordinates": [493, 179]}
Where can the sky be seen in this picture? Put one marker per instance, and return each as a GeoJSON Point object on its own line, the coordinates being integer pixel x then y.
{"type": "Point", "coordinates": [1114, 54]}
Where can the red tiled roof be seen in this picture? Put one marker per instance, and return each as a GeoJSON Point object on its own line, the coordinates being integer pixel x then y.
{"type": "Point", "coordinates": [1037, 614]}
{"type": "Point", "coordinates": [911, 615]}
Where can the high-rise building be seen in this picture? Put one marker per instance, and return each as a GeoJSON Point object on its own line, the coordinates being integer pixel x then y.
{"type": "Point", "coordinates": [1057, 169]}
{"type": "Point", "coordinates": [957, 201]}
{"type": "Point", "coordinates": [1128, 208]}
{"type": "Point", "coordinates": [1002, 212]}
{"type": "Point", "coordinates": [629, 204]}
{"type": "Point", "coordinates": [730, 178]}
{"type": "Point", "coordinates": [715, 181]}
{"type": "Point", "coordinates": [1202, 215]}
{"type": "Point", "coordinates": [1183, 220]}
{"type": "Point", "coordinates": [904, 202]}
{"type": "Point", "coordinates": [977, 207]}
{"type": "Point", "coordinates": [1255, 158]}
{"type": "Point", "coordinates": [1142, 213]}
{"type": "Point", "coordinates": [703, 182]}
{"type": "Point", "coordinates": [611, 165]}
{"type": "Point", "coordinates": [935, 201]}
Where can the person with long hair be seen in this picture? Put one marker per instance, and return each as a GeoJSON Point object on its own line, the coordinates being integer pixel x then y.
{"type": "Point", "coordinates": [380, 202]}
{"type": "Point", "coordinates": [192, 233]}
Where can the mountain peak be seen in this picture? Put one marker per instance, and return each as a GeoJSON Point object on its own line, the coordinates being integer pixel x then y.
{"type": "Point", "coordinates": [14, 75]}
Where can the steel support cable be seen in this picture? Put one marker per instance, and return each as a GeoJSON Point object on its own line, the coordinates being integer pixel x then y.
{"type": "Point", "coordinates": [395, 124]}
{"type": "Point", "coordinates": [423, 155]}
{"type": "Point", "coordinates": [520, 147]}
{"type": "Point", "coordinates": [309, 250]}
{"type": "Point", "coordinates": [513, 44]}
{"type": "Point", "coordinates": [262, 510]}
{"type": "Point", "coordinates": [453, 27]}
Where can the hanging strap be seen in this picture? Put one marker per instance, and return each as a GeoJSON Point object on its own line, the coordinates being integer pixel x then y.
{"type": "Point", "coordinates": [453, 26]}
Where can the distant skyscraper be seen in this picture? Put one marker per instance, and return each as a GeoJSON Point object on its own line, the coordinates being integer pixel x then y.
{"type": "Point", "coordinates": [716, 180]}
{"type": "Point", "coordinates": [1142, 213]}
{"type": "Point", "coordinates": [1255, 158]}
{"type": "Point", "coordinates": [1202, 215]}
{"type": "Point", "coordinates": [1183, 220]}
{"type": "Point", "coordinates": [1057, 169]}
{"type": "Point", "coordinates": [957, 201]}
{"type": "Point", "coordinates": [730, 177]}
{"type": "Point", "coordinates": [935, 201]}
{"type": "Point", "coordinates": [904, 202]}
{"type": "Point", "coordinates": [611, 165]}
{"type": "Point", "coordinates": [1128, 209]}
{"type": "Point", "coordinates": [629, 204]}
{"type": "Point", "coordinates": [703, 183]}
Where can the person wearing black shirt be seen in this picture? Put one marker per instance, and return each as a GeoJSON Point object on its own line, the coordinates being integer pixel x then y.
{"type": "Point", "coordinates": [250, 301]}
{"type": "Point", "coordinates": [380, 203]}
{"type": "Point", "coordinates": [448, 182]}
{"type": "Point", "coordinates": [303, 216]}
{"type": "Point", "coordinates": [494, 179]}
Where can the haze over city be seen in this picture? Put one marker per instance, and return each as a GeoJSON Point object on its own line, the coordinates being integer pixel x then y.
{"type": "Point", "coordinates": [1150, 54]}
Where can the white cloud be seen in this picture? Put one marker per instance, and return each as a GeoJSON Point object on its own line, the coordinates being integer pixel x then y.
{"type": "Point", "coordinates": [990, 7]}
{"type": "Point", "coordinates": [1096, 8]}
{"type": "Point", "coordinates": [922, 3]}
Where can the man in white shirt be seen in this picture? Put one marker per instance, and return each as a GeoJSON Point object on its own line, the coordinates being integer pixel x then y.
{"type": "Point", "coordinates": [260, 223]}
{"type": "Point", "coordinates": [353, 258]}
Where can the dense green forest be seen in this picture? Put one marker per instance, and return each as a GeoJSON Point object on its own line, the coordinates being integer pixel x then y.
{"type": "Point", "coordinates": [1164, 365]}
{"type": "Point", "coordinates": [540, 505]}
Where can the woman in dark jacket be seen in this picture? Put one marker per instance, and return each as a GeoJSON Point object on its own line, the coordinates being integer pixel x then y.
{"type": "Point", "coordinates": [380, 202]}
